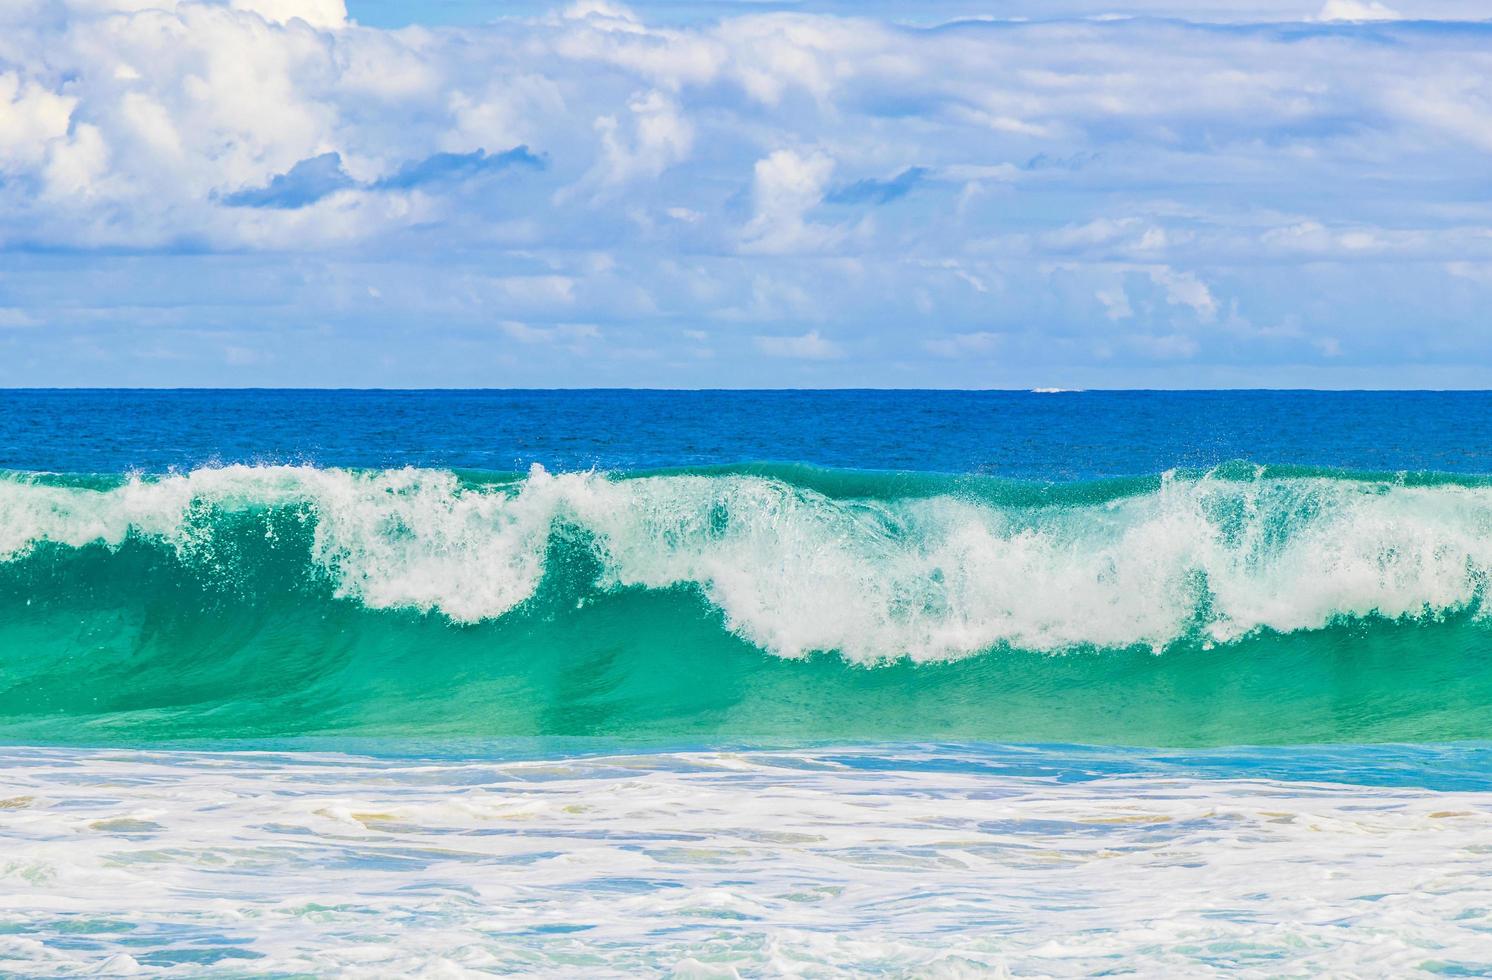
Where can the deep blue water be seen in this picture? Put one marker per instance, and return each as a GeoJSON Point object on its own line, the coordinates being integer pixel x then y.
{"type": "Point", "coordinates": [1020, 435]}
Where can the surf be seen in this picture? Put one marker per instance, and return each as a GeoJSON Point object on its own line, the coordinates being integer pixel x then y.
{"type": "Point", "coordinates": [1239, 604]}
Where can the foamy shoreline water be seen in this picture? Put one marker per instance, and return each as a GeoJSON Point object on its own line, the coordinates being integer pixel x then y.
{"type": "Point", "coordinates": [914, 860]}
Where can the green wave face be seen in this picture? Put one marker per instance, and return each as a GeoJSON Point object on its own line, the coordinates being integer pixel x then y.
{"type": "Point", "coordinates": [256, 603]}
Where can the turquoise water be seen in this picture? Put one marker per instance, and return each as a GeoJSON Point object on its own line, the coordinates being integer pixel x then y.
{"type": "Point", "coordinates": [1237, 605]}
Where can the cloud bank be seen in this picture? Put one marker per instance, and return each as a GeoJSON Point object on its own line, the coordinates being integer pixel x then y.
{"type": "Point", "coordinates": [267, 191]}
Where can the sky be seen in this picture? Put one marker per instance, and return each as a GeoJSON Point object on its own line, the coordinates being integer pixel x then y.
{"type": "Point", "coordinates": [746, 193]}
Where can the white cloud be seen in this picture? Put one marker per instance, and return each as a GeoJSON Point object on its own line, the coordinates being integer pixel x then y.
{"type": "Point", "coordinates": [541, 292]}
{"type": "Point", "coordinates": [317, 13]}
{"type": "Point", "coordinates": [1099, 231]}
{"type": "Point", "coordinates": [191, 101]}
{"type": "Point", "coordinates": [1185, 289]}
{"type": "Point", "coordinates": [744, 170]}
{"type": "Point", "coordinates": [601, 10]}
{"type": "Point", "coordinates": [659, 137]}
{"type": "Point", "coordinates": [810, 346]}
{"type": "Point", "coordinates": [1356, 10]}
{"type": "Point", "coordinates": [75, 166]}
{"type": "Point", "coordinates": [785, 187]}
{"type": "Point", "coordinates": [31, 119]}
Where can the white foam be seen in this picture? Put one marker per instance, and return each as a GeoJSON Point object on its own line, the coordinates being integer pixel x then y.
{"type": "Point", "coordinates": [716, 864]}
{"type": "Point", "coordinates": [795, 571]}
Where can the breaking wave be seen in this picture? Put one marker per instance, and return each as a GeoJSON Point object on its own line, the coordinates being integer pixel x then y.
{"type": "Point", "coordinates": [292, 570]}
{"type": "Point", "coordinates": [871, 566]}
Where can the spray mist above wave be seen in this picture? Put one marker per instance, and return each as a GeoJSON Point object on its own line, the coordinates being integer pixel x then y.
{"type": "Point", "coordinates": [794, 569]}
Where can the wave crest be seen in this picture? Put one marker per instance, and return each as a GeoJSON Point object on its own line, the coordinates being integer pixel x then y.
{"type": "Point", "coordinates": [794, 569]}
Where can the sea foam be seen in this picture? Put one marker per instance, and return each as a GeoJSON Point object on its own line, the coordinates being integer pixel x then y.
{"type": "Point", "coordinates": [883, 859]}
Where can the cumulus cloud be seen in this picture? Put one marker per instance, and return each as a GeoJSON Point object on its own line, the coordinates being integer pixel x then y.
{"type": "Point", "coordinates": [33, 120]}
{"type": "Point", "coordinates": [173, 113]}
{"type": "Point", "coordinates": [786, 186]}
{"type": "Point", "coordinates": [654, 137]}
{"type": "Point", "coordinates": [1185, 289]}
{"type": "Point", "coordinates": [317, 13]}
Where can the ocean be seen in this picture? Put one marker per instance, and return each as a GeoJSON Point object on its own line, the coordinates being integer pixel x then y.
{"type": "Point", "coordinates": [745, 683]}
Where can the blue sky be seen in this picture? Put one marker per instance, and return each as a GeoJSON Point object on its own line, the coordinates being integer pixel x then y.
{"type": "Point", "coordinates": [733, 193]}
